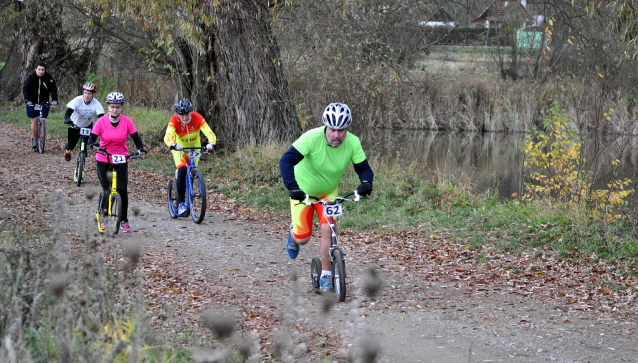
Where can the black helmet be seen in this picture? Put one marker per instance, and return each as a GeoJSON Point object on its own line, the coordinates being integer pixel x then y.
{"type": "Point", "coordinates": [183, 106]}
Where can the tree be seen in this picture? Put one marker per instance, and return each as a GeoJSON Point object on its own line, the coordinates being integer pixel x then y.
{"type": "Point", "coordinates": [49, 30]}
{"type": "Point", "coordinates": [224, 57]}
{"type": "Point", "coordinates": [625, 22]}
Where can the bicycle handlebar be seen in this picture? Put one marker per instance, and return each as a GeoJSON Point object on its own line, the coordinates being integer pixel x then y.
{"type": "Point", "coordinates": [74, 126]}
{"type": "Point", "coordinates": [201, 148]}
{"type": "Point", "coordinates": [357, 198]}
{"type": "Point", "coordinates": [133, 155]}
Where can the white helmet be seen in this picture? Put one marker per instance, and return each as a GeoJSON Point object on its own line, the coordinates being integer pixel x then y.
{"type": "Point", "coordinates": [337, 116]}
{"type": "Point", "coordinates": [115, 97]}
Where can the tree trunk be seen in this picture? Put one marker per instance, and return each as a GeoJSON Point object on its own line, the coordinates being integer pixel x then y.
{"type": "Point", "coordinates": [39, 33]}
{"type": "Point", "coordinates": [247, 99]}
{"type": "Point", "coordinates": [22, 53]}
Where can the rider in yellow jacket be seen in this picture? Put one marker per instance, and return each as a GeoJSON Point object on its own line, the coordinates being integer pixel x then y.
{"type": "Point", "coordinates": [183, 131]}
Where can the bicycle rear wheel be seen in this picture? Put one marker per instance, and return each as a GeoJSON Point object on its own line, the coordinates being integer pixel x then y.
{"type": "Point", "coordinates": [339, 274]}
{"type": "Point", "coordinates": [79, 169]}
{"type": "Point", "coordinates": [197, 196]}
{"type": "Point", "coordinates": [171, 194]}
{"type": "Point", "coordinates": [315, 274]}
{"type": "Point", "coordinates": [115, 215]}
{"type": "Point", "coordinates": [42, 134]}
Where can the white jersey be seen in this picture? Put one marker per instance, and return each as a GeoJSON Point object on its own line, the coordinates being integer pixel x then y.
{"type": "Point", "coordinates": [83, 115]}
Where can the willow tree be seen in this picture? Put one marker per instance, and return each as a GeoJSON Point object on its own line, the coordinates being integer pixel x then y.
{"type": "Point", "coordinates": [225, 58]}
{"type": "Point", "coordinates": [49, 30]}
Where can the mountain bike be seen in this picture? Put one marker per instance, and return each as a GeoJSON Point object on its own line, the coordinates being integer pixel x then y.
{"type": "Point", "coordinates": [113, 214]}
{"type": "Point", "coordinates": [78, 173]}
{"type": "Point", "coordinates": [332, 208]}
{"type": "Point", "coordinates": [42, 127]}
{"type": "Point", "coordinates": [195, 188]}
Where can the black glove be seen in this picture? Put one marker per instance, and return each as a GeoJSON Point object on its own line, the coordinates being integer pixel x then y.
{"type": "Point", "coordinates": [297, 194]}
{"type": "Point", "coordinates": [365, 189]}
{"type": "Point", "coordinates": [68, 122]}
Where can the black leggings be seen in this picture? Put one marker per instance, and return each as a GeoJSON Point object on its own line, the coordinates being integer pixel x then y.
{"type": "Point", "coordinates": [122, 182]}
{"type": "Point", "coordinates": [181, 184]}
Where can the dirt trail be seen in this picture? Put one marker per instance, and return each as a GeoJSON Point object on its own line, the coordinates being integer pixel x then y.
{"type": "Point", "coordinates": [236, 258]}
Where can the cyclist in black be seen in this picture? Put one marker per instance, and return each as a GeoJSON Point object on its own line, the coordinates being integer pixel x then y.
{"type": "Point", "coordinates": [37, 88]}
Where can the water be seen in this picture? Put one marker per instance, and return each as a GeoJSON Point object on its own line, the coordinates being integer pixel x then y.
{"type": "Point", "coordinates": [491, 160]}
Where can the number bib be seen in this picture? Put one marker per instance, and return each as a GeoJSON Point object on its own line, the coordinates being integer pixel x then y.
{"type": "Point", "coordinates": [85, 131]}
{"type": "Point", "coordinates": [37, 107]}
{"type": "Point", "coordinates": [118, 159]}
{"type": "Point", "coordinates": [332, 210]}
{"type": "Point", "coordinates": [194, 154]}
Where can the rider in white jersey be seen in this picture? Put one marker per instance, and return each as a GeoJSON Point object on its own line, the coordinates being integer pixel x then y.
{"type": "Point", "coordinates": [81, 111]}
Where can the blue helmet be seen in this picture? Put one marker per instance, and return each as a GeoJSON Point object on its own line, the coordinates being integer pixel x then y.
{"type": "Point", "coordinates": [337, 116]}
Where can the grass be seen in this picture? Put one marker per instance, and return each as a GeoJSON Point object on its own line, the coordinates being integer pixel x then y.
{"type": "Point", "coordinates": [54, 309]}
{"type": "Point", "coordinates": [406, 197]}
{"type": "Point", "coordinates": [147, 121]}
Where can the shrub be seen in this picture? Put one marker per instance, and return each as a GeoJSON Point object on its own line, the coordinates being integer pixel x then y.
{"type": "Point", "coordinates": [560, 175]}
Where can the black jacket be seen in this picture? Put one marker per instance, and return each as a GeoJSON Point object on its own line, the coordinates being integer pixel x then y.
{"type": "Point", "coordinates": [38, 89]}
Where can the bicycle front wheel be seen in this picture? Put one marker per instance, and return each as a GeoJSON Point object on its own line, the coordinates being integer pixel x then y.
{"type": "Point", "coordinates": [339, 274]}
{"type": "Point", "coordinates": [197, 196]}
{"type": "Point", "coordinates": [79, 169]}
{"type": "Point", "coordinates": [171, 194]}
{"type": "Point", "coordinates": [42, 134]}
{"type": "Point", "coordinates": [115, 214]}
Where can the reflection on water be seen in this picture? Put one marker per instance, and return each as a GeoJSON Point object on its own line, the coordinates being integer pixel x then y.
{"type": "Point", "coordinates": [492, 160]}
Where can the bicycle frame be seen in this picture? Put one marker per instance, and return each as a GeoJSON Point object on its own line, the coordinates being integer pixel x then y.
{"type": "Point", "coordinates": [115, 166]}
{"type": "Point", "coordinates": [83, 152]}
{"type": "Point", "coordinates": [189, 180]}
{"type": "Point", "coordinates": [84, 141]}
{"type": "Point", "coordinates": [195, 195]}
{"type": "Point", "coordinates": [191, 165]}
{"type": "Point", "coordinates": [41, 124]}
{"type": "Point", "coordinates": [332, 222]}
{"type": "Point", "coordinates": [332, 209]}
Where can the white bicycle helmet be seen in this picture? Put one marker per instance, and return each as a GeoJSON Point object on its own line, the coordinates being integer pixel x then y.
{"type": "Point", "coordinates": [88, 86]}
{"type": "Point", "coordinates": [337, 116]}
{"type": "Point", "coordinates": [115, 97]}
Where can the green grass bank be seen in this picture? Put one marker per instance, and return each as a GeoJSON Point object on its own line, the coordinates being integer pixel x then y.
{"type": "Point", "coordinates": [405, 198]}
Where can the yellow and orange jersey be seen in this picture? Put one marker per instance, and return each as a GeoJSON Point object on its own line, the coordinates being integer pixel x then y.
{"type": "Point", "coordinates": [188, 135]}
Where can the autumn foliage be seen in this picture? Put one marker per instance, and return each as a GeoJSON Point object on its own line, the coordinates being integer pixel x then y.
{"type": "Point", "coordinates": [559, 175]}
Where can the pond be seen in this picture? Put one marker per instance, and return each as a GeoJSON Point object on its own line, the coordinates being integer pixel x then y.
{"type": "Point", "coordinates": [491, 160]}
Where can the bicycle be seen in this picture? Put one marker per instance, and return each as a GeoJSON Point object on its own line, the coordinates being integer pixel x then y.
{"type": "Point", "coordinates": [195, 188]}
{"type": "Point", "coordinates": [332, 208]}
{"type": "Point", "coordinates": [114, 212]}
{"type": "Point", "coordinates": [42, 127]}
{"type": "Point", "coordinates": [78, 173]}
